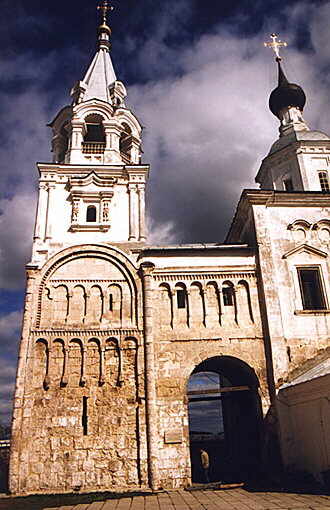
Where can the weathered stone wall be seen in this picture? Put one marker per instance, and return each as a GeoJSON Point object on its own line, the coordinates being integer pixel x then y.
{"type": "Point", "coordinates": [80, 421]}
{"type": "Point", "coordinates": [185, 337]}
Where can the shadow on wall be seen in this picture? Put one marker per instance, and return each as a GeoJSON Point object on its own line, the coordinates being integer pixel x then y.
{"type": "Point", "coordinates": [4, 465]}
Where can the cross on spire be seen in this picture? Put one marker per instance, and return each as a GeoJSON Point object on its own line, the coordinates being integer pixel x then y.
{"type": "Point", "coordinates": [105, 7]}
{"type": "Point", "coordinates": [275, 45]}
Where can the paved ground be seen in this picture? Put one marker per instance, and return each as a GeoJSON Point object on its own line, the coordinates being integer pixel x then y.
{"type": "Point", "coordinates": [235, 499]}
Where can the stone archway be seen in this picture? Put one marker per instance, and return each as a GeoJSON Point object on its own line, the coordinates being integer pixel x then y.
{"type": "Point", "coordinates": [225, 419]}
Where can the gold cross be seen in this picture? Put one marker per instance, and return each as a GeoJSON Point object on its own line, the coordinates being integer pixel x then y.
{"type": "Point", "coordinates": [275, 45]}
{"type": "Point", "coordinates": [105, 7]}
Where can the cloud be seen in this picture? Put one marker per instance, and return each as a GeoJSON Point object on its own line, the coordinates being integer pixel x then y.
{"type": "Point", "coordinates": [10, 327]}
{"type": "Point", "coordinates": [16, 231]}
{"type": "Point", "coordinates": [208, 127]}
{"type": "Point", "coordinates": [7, 386]}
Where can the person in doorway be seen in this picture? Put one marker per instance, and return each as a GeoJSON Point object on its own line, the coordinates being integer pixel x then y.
{"type": "Point", "coordinates": [205, 463]}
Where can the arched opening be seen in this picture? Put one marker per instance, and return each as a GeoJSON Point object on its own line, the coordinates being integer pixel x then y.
{"type": "Point", "coordinates": [94, 139]}
{"type": "Point", "coordinates": [125, 141]}
{"type": "Point", "coordinates": [91, 214]}
{"type": "Point", "coordinates": [225, 420]}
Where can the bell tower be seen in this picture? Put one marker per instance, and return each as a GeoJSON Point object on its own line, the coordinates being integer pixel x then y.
{"type": "Point", "coordinates": [94, 190]}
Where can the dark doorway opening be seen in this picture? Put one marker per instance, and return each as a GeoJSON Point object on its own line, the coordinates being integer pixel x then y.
{"type": "Point", "coordinates": [225, 420]}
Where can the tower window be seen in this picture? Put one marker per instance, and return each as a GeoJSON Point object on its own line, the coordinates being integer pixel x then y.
{"type": "Point", "coordinates": [94, 129]}
{"type": "Point", "coordinates": [181, 298]}
{"type": "Point", "coordinates": [324, 181]}
{"type": "Point", "coordinates": [228, 296]}
{"type": "Point", "coordinates": [125, 141]}
{"type": "Point", "coordinates": [288, 184]}
{"type": "Point", "coordinates": [311, 288]}
{"type": "Point", "coordinates": [91, 213]}
{"type": "Point", "coordinates": [111, 303]}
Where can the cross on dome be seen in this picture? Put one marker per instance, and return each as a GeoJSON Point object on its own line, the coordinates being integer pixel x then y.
{"type": "Point", "coordinates": [275, 45]}
{"type": "Point", "coordinates": [105, 7]}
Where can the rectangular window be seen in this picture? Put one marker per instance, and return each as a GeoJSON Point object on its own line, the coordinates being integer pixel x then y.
{"type": "Point", "coordinates": [111, 303]}
{"type": "Point", "coordinates": [288, 184]}
{"type": "Point", "coordinates": [324, 181]}
{"type": "Point", "coordinates": [311, 288]}
{"type": "Point", "coordinates": [181, 298]}
{"type": "Point", "coordinates": [228, 296]}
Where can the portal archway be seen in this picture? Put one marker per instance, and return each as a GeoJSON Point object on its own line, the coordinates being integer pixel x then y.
{"type": "Point", "coordinates": [225, 419]}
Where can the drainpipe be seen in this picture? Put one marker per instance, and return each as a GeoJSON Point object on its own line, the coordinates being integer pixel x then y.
{"type": "Point", "coordinates": [150, 376]}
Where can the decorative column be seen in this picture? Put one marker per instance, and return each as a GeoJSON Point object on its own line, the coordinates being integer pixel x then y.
{"type": "Point", "coordinates": [142, 225]}
{"type": "Point", "coordinates": [50, 209]}
{"type": "Point", "coordinates": [76, 140]}
{"type": "Point", "coordinates": [188, 305]}
{"type": "Point", "coordinates": [39, 231]}
{"type": "Point", "coordinates": [102, 357]}
{"type": "Point", "coordinates": [112, 139]}
{"type": "Point", "coordinates": [203, 292]}
{"type": "Point", "coordinates": [150, 375]}
{"type": "Point", "coordinates": [75, 210]}
{"type": "Point", "coordinates": [133, 212]}
{"type": "Point", "coordinates": [175, 318]}
{"type": "Point", "coordinates": [82, 381]}
{"type": "Point", "coordinates": [64, 379]}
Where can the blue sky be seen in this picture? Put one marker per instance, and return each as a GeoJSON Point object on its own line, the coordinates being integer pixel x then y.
{"type": "Point", "coordinates": [199, 79]}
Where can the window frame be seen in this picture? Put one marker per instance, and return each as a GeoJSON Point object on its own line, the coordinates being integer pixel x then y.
{"type": "Point", "coordinates": [181, 299]}
{"type": "Point", "coordinates": [324, 180]}
{"type": "Point", "coordinates": [228, 296]}
{"type": "Point", "coordinates": [322, 290]}
{"type": "Point", "coordinates": [91, 207]}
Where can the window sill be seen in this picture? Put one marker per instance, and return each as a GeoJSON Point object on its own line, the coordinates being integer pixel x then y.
{"type": "Point", "coordinates": [90, 227]}
{"type": "Point", "coordinates": [324, 311]}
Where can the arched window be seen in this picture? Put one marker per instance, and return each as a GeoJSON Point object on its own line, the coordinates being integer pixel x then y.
{"type": "Point", "coordinates": [324, 181]}
{"type": "Point", "coordinates": [94, 139]}
{"type": "Point", "coordinates": [228, 294]}
{"type": "Point", "coordinates": [94, 129]}
{"type": "Point", "coordinates": [125, 141]}
{"type": "Point", "coordinates": [91, 213]}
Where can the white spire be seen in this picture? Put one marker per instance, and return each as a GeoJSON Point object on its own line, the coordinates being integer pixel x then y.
{"type": "Point", "coordinates": [99, 77]}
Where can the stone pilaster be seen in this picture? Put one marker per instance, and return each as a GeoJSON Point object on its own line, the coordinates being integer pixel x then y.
{"type": "Point", "coordinates": [150, 376]}
{"type": "Point", "coordinates": [133, 212]}
{"type": "Point", "coordinates": [50, 211]}
{"type": "Point", "coordinates": [142, 225]}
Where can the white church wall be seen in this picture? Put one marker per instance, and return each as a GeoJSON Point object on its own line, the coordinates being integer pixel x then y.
{"type": "Point", "coordinates": [304, 414]}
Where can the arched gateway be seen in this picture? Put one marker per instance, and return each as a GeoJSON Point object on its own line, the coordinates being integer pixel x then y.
{"type": "Point", "coordinates": [225, 419]}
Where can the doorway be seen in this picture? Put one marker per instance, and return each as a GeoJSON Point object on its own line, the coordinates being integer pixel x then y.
{"type": "Point", "coordinates": [225, 420]}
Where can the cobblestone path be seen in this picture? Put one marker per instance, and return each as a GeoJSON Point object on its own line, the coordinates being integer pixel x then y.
{"type": "Point", "coordinates": [237, 499]}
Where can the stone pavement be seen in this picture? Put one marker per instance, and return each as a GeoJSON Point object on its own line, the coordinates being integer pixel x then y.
{"type": "Point", "coordinates": [235, 499]}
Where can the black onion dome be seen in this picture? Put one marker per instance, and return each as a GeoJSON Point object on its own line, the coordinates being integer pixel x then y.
{"type": "Point", "coordinates": [286, 94]}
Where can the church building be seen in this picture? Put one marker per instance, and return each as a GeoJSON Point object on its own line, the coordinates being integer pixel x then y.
{"type": "Point", "coordinates": [115, 329]}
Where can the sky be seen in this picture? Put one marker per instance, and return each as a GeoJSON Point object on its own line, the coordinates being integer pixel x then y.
{"type": "Point", "coordinates": [198, 78]}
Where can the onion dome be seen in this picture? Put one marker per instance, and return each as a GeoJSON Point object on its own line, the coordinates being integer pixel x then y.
{"type": "Point", "coordinates": [286, 94]}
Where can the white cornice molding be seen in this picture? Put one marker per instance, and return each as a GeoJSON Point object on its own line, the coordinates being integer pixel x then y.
{"type": "Point", "coordinates": [307, 249]}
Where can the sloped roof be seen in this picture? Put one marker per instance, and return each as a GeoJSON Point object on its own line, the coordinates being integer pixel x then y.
{"type": "Point", "coordinates": [100, 75]}
{"type": "Point", "coordinates": [320, 370]}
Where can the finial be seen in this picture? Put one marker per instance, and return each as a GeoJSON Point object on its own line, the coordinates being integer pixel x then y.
{"type": "Point", "coordinates": [275, 45]}
{"type": "Point", "coordinates": [105, 7]}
